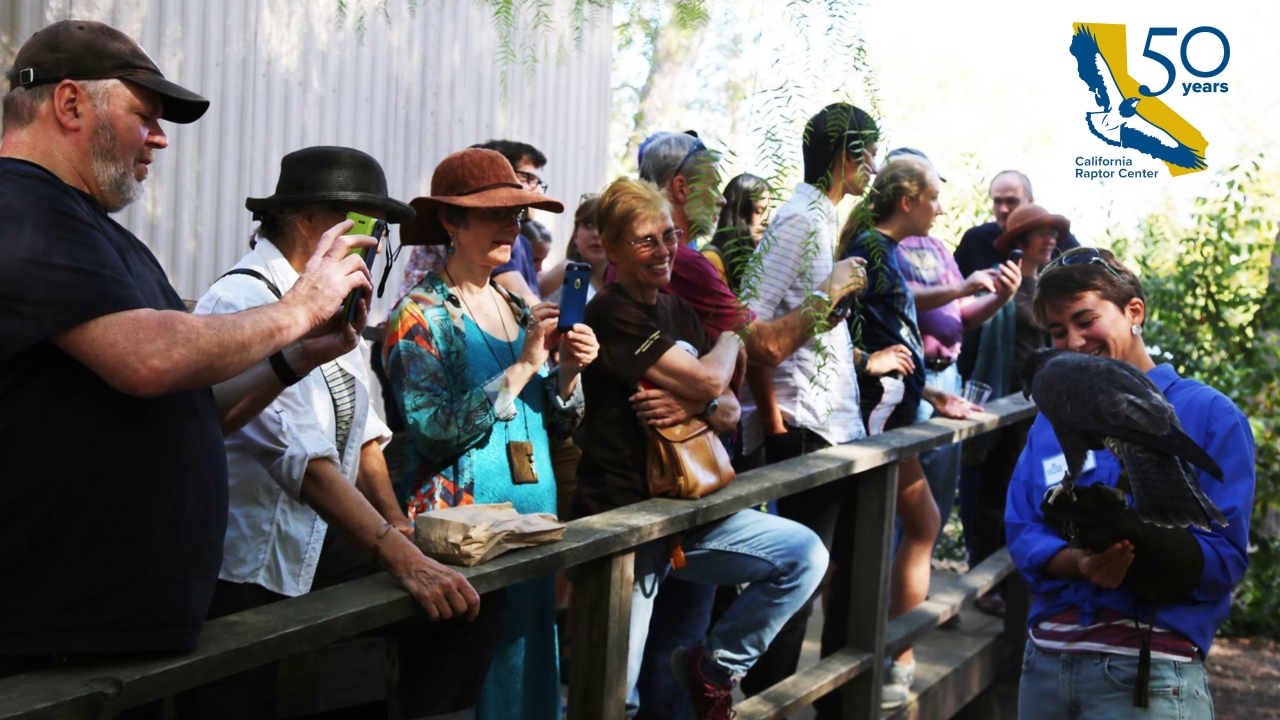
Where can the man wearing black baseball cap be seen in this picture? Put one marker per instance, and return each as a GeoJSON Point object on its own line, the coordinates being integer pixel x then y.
{"type": "Point", "coordinates": [113, 499]}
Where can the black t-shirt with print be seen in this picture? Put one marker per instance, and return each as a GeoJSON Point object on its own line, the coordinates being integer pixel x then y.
{"type": "Point", "coordinates": [632, 336]}
{"type": "Point", "coordinates": [112, 507]}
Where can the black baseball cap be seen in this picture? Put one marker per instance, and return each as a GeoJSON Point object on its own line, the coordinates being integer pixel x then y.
{"type": "Point", "coordinates": [912, 151]}
{"type": "Point", "coordinates": [88, 50]}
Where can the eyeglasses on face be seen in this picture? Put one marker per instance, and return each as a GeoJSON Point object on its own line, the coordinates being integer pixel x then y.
{"type": "Point", "coordinates": [649, 243]}
{"type": "Point", "coordinates": [519, 214]}
{"type": "Point", "coordinates": [531, 181]}
{"type": "Point", "coordinates": [1079, 257]}
{"type": "Point", "coordinates": [1012, 202]}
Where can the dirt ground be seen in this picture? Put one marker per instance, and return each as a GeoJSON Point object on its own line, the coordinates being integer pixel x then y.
{"type": "Point", "coordinates": [1244, 677]}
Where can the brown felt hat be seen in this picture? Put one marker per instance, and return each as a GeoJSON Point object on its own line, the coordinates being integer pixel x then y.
{"type": "Point", "coordinates": [471, 178]}
{"type": "Point", "coordinates": [88, 50]}
{"type": "Point", "coordinates": [1025, 218]}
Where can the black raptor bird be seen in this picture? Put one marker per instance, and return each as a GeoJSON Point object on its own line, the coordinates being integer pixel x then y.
{"type": "Point", "coordinates": [1095, 402]}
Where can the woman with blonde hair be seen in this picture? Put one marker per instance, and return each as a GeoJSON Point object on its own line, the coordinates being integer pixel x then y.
{"type": "Point", "coordinates": [903, 202]}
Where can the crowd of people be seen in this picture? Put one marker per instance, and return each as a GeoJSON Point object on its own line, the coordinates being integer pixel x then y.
{"type": "Point", "coordinates": [263, 475]}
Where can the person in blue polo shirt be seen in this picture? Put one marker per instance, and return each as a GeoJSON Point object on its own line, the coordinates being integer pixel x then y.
{"type": "Point", "coordinates": [1159, 593]}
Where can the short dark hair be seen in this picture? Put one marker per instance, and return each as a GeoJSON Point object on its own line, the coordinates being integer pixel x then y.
{"type": "Point", "coordinates": [1063, 281]}
{"type": "Point", "coordinates": [839, 127]}
{"type": "Point", "coordinates": [515, 151]}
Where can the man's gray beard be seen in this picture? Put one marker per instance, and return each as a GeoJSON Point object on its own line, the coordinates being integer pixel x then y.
{"type": "Point", "coordinates": [117, 187]}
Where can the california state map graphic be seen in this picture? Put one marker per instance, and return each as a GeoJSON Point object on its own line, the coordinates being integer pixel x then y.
{"type": "Point", "coordinates": [1126, 118]}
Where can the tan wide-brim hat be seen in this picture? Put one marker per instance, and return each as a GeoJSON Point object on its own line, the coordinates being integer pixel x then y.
{"type": "Point", "coordinates": [1024, 219]}
{"type": "Point", "coordinates": [471, 178]}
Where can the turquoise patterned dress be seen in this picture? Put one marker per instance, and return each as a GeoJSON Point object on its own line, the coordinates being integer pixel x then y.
{"type": "Point", "coordinates": [450, 385]}
{"type": "Point", "coordinates": [525, 673]}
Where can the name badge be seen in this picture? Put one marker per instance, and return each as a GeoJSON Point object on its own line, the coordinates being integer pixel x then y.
{"type": "Point", "coordinates": [1055, 468]}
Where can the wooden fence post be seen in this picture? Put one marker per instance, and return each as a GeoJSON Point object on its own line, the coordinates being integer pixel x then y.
{"type": "Point", "coordinates": [869, 594]}
{"type": "Point", "coordinates": [600, 624]}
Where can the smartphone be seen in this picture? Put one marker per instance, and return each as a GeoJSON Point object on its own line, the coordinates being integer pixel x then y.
{"type": "Point", "coordinates": [573, 297]}
{"type": "Point", "coordinates": [1015, 256]}
{"type": "Point", "coordinates": [376, 229]}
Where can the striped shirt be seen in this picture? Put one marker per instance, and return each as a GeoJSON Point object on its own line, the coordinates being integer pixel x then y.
{"type": "Point", "coordinates": [816, 388]}
{"type": "Point", "coordinates": [1111, 632]}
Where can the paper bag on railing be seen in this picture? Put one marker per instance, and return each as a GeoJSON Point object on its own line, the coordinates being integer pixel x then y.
{"type": "Point", "coordinates": [470, 534]}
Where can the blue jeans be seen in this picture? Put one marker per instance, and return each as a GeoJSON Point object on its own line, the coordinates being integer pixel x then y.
{"type": "Point", "coordinates": [782, 561]}
{"type": "Point", "coordinates": [1067, 686]}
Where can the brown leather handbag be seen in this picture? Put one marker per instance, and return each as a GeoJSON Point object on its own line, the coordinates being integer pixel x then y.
{"type": "Point", "coordinates": [686, 461]}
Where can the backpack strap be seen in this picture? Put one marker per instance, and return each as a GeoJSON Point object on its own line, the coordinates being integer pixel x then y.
{"type": "Point", "coordinates": [254, 273]}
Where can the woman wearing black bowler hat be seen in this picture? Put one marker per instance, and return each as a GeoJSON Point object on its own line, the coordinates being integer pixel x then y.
{"type": "Point", "coordinates": [313, 459]}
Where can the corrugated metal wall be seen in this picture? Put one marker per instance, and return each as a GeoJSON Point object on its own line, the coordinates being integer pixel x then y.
{"type": "Point", "coordinates": [282, 75]}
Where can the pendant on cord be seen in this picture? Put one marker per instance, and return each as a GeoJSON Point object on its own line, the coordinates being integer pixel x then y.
{"type": "Point", "coordinates": [520, 455]}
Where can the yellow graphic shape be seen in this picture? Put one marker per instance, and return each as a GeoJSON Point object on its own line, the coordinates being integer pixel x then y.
{"type": "Point", "coordinates": [1111, 41]}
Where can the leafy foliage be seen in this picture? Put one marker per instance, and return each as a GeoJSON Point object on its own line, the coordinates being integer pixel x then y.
{"type": "Point", "coordinates": [1213, 302]}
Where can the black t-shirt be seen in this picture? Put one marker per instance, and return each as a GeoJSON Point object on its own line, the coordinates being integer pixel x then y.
{"type": "Point", "coordinates": [632, 336]}
{"type": "Point", "coordinates": [112, 508]}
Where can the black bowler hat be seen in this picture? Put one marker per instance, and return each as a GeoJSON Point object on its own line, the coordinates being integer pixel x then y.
{"type": "Point", "coordinates": [327, 174]}
{"type": "Point", "coordinates": [88, 50]}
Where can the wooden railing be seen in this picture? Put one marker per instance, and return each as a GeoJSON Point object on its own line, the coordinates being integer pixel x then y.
{"type": "Point", "coordinates": [603, 546]}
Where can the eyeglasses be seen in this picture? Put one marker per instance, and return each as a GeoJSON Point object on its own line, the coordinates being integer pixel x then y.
{"type": "Point", "coordinates": [649, 243]}
{"type": "Point", "coordinates": [1079, 257]}
{"type": "Point", "coordinates": [531, 180]}
{"type": "Point", "coordinates": [519, 214]}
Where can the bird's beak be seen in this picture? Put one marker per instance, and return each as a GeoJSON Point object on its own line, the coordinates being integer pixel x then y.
{"type": "Point", "coordinates": [1026, 393]}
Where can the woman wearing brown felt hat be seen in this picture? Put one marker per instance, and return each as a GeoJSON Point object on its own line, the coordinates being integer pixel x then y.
{"type": "Point", "coordinates": [467, 365]}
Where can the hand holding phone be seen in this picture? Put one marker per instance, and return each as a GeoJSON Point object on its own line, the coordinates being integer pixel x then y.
{"type": "Point", "coordinates": [378, 230]}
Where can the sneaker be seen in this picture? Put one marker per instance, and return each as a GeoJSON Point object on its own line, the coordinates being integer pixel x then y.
{"type": "Point", "coordinates": [898, 679]}
{"type": "Point", "coordinates": [894, 696]}
{"type": "Point", "coordinates": [992, 604]}
{"type": "Point", "coordinates": [711, 700]}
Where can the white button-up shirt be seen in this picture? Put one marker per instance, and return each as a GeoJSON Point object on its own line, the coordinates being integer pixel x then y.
{"type": "Point", "coordinates": [817, 387]}
{"type": "Point", "coordinates": [273, 538]}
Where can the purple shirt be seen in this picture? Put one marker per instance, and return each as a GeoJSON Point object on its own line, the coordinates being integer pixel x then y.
{"type": "Point", "coordinates": [926, 262]}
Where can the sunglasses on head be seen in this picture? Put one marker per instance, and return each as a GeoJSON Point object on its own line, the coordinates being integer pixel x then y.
{"type": "Point", "coordinates": [698, 147]}
{"type": "Point", "coordinates": [1079, 257]}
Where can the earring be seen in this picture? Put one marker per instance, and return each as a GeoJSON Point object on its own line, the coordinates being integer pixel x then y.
{"type": "Point", "coordinates": [1136, 330]}
{"type": "Point", "coordinates": [451, 249]}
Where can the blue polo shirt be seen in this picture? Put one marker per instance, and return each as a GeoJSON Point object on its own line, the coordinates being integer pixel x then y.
{"type": "Point", "coordinates": [1221, 429]}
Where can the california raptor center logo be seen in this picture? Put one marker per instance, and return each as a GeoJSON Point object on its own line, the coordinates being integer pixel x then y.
{"type": "Point", "coordinates": [1127, 118]}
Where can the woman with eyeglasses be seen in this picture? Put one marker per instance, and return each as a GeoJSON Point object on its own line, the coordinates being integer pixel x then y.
{"type": "Point", "coordinates": [1007, 339]}
{"type": "Point", "coordinates": [1126, 594]}
{"type": "Point", "coordinates": [466, 359]}
{"type": "Point", "coordinates": [657, 366]}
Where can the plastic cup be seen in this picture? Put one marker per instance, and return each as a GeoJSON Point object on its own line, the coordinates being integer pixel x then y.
{"type": "Point", "coordinates": [977, 392]}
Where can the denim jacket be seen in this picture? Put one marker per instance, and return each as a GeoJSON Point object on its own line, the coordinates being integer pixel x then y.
{"type": "Point", "coordinates": [425, 355]}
